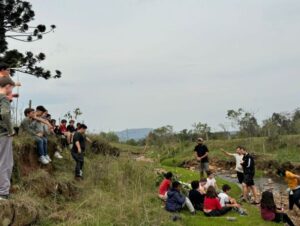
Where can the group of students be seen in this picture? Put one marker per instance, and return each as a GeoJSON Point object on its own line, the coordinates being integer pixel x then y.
{"type": "Point", "coordinates": [203, 196]}
{"type": "Point", "coordinates": [39, 125]}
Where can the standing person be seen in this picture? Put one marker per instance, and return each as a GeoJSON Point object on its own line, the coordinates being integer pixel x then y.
{"type": "Point", "coordinates": [176, 201]}
{"type": "Point", "coordinates": [165, 186]}
{"type": "Point", "coordinates": [293, 183]}
{"type": "Point", "coordinates": [6, 134]}
{"type": "Point", "coordinates": [201, 152]}
{"type": "Point", "coordinates": [248, 165]}
{"type": "Point", "coordinates": [63, 130]}
{"type": "Point", "coordinates": [269, 211]}
{"type": "Point", "coordinates": [238, 160]}
{"type": "Point", "coordinates": [78, 150]}
{"type": "Point", "coordinates": [212, 206]}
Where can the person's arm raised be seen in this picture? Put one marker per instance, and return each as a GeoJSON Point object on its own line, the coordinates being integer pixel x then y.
{"type": "Point", "coordinates": [226, 153]}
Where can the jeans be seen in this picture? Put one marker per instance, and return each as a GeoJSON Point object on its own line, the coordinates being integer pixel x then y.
{"type": "Point", "coordinates": [216, 213]}
{"type": "Point", "coordinates": [42, 146]}
{"type": "Point", "coordinates": [283, 217]}
{"type": "Point", "coordinates": [79, 159]}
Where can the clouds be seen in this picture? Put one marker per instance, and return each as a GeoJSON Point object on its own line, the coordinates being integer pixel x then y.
{"type": "Point", "coordinates": [130, 64]}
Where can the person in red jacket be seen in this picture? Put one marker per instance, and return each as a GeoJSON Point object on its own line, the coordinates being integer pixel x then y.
{"type": "Point", "coordinates": [212, 206]}
{"type": "Point", "coordinates": [165, 186]}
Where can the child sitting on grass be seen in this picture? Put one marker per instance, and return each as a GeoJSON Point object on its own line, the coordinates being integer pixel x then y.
{"type": "Point", "coordinates": [196, 197]}
{"type": "Point", "coordinates": [227, 201]}
{"type": "Point", "coordinates": [211, 181]}
{"type": "Point", "coordinates": [165, 186]}
{"type": "Point", "coordinates": [176, 201]}
{"type": "Point", "coordinates": [212, 206]}
{"type": "Point", "coordinates": [270, 212]}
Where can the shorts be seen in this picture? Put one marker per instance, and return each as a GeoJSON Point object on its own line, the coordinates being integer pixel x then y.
{"type": "Point", "coordinates": [240, 177]}
{"type": "Point", "coordinates": [204, 166]}
{"type": "Point", "coordinates": [248, 179]}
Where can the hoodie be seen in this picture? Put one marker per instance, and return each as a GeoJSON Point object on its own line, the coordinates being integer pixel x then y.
{"type": "Point", "coordinates": [175, 200]}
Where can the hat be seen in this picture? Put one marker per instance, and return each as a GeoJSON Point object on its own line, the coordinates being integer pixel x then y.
{"type": "Point", "coordinates": [200, 139]}
{"type": "Point", "coordinates": [4, 81]}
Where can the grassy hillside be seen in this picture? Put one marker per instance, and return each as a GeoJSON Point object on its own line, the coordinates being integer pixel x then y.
{"type": "Point", "coordinates": [116, 191]}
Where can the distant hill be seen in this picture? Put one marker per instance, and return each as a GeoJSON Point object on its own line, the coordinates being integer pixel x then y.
{"type": "Point", "coordinates": [135, 134]}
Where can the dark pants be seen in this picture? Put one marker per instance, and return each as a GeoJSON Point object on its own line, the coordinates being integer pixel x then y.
{"type": "Point", "coordinates": [42, 146]}
{"type": "Point", "coordinates": [79, 159]}
{"type": "Point", "coordinates": [283, 217]}
{"type": "Point", "coordinates": [294, 199]}
{"type": "Point", "coordinates": [216, 213]}
{"type": "Point", "coordinates": [240, 177]}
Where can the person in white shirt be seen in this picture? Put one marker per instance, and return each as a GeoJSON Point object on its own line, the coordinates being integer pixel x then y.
{"type": "Point", "coordinates": [238, 160]}
{"type": "Point", "coordinates": [210, 180]}
{"type": "Point", "coordinates": [227, 201]}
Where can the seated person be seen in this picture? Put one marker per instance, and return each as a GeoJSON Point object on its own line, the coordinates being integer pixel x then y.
{"type": "Point", "coordinates": [33, 126]}
{"type": "Point", "coordinates": [202, 187]}
{"type": "Point", "coordinates": [77, 125]}
{"type": "Point", "coordinates": [71, 127]}
{"type": "Point", "coordinates": [63, 130]}
{"type": "Point", "coordinates": [176, 201]}
{"type": "Point", "coordinates": [196, 197]}
{"type": "Point", "coordinates": [165, 186]}
{"type": "Point", "coordinates": [227, 201]}
{"type": "Point", "coordinates": [211, 181]}
{"type": "Point", "coordinates": [212, 206]}
{"type": "Point", "coordinates": [270, 212]}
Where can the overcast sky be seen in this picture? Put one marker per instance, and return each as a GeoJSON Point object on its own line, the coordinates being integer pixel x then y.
{"type": "Point", "coordinates": [149, 63]}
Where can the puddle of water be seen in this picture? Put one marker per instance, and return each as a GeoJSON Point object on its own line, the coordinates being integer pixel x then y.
{"type": "Point", "coordinates": [262, 183]}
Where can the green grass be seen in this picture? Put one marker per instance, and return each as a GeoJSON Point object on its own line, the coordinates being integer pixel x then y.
{"type": "Point", "coordinates": [252, 219]}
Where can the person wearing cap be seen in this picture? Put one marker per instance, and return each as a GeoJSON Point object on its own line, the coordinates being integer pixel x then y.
{"type": "Point", "coordinates": [201, 154]}
{"type": "Point", "coordinates": [6, 134]}
{"type": "Point", "coordinates": [5, 73]}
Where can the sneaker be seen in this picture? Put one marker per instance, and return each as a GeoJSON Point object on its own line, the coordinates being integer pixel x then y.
{"type": "Point", "coordinates": [4, 197]}
{"type": "Point", "coordinates": [48, 158]}
{"type": "Point", "coordinates": [57, 155]}
{"type": "Point", "coordinates": [80, 173]}
{"type": "Point", "coordinates": [43, 160]}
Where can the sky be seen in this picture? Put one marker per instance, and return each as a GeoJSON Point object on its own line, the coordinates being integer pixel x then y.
{"type": "Point", "coordinates": [150, 63]}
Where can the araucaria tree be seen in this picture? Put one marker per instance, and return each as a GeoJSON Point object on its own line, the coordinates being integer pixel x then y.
{"type": "Point", "coordinates": [15, 18]}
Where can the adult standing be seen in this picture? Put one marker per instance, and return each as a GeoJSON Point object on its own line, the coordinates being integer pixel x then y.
{"type": "Point", "coordinates": [249, 172]}
{"type": "Point", "coordinates": [238, 160]}
{"type": "Point", "coordinates": [293, 183]}
{"type": "Point", "coordinates": [6, 134]}
{"type": "Point", "coordinates": [201, 153]}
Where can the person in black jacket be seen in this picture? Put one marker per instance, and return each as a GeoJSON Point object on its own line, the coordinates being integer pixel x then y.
{"type": "Point", "coordinates": [176, 201]}
{"type": "Point", "coordinates": [249, 172]}
{"type": "Point", "coordinates": [196, 197]}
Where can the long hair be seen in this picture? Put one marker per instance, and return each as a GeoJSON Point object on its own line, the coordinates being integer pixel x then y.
{"type": "Point", "coordinates": [267, 201]}
{"type": "Point", "coordinates": [211, 192]}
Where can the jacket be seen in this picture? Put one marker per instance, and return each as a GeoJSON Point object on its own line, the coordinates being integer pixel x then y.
{"type": "Point", "coordinates": [175, 200]}
{"type": "Point", "coordinates": [6, 126]}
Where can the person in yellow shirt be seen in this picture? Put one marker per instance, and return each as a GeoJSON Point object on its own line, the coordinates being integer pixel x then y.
{"type": "Point", "coordinates": [293, 183]}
